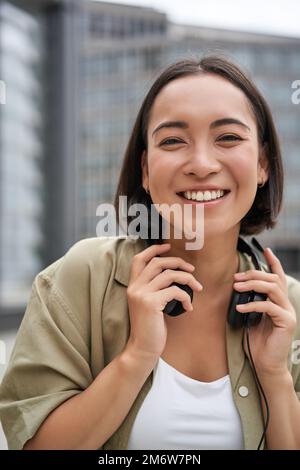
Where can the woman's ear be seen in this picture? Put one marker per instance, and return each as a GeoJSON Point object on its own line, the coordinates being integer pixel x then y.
{"type": "Point", "coordinates": [263, 165]}
{"type": "Point", "coordinates": [144, 165]}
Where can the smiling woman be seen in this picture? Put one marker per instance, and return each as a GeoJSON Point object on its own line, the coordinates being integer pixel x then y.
{"type": "Point", "coordinates": [205, 136]}
{"type": "Point", "coordinates": [98, 364]}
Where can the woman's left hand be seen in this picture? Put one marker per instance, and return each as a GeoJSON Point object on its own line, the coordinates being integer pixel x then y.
{"type": "Point", "coordinates": [271, 339]}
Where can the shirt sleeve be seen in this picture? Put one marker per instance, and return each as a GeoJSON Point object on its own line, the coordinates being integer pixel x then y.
{"type": "Point", "coordinates": [50, 361]}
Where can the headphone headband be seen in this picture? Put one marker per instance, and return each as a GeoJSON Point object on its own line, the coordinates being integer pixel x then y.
{"type": "Point", "coordinates": [255, 251]}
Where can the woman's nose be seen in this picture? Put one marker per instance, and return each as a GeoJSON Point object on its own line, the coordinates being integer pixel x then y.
{"type": "Point", "coordinates": [203, 162]}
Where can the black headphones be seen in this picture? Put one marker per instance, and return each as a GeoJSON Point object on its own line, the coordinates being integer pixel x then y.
{"type": "Point", "coordinates": [234, 318]}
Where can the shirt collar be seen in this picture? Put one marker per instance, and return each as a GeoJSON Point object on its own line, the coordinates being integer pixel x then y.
{"type": "Point", "coordinates": [234, 337]}
{"type": "Point", "coordinates": [125, 252]}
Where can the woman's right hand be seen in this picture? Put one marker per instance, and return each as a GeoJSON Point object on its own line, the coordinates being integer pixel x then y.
{"type": "Point", "coordinates": [148, 292]}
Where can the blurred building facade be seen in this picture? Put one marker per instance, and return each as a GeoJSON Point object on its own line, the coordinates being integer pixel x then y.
{"type": "Point", "coordinates": [21, 186]}
{"type": "Point", "coordinates": [38, 129]}
{"type": "Point", "coordinates": [84, 68]}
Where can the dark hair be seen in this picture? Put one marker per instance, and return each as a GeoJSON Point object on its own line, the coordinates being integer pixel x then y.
{"type": "Point", "coordinates": [268, 200]}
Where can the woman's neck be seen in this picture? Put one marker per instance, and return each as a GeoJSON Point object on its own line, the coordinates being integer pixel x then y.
{"type": "Point", "coordinates": [215, 263]}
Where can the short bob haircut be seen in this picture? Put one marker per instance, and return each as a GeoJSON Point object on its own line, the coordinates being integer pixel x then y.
{"type": "Point", "coordinates": [267, 203]}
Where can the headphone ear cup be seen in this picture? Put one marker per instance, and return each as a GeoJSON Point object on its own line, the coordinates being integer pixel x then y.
{"type": "Point", "coordinates": [237, 319]}
{"type": "Point", "coordinates": [233, 319]}
{"type": "Point", "coordinates": [253, 318]}
{"type": "Point", "coordinates": [175, 307]}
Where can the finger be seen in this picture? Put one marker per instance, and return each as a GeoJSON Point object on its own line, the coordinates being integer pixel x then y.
{"type": "Point", "coordinates": [157, 265]}
{"type": "Point", "coordinates": [280, 317]}
{"type": "Point", "coordinates": [174, 292]}
{"type": "Point", "coordinates": [140, 260]}
{"type": "Point", "coordinates": [273, 290]}
{"type": "Point", "coordinates": [275, 264]}
{"type": "Point", "coordinates": [168, 276]}
{"type": "Point", "coordinates": [256, 274]}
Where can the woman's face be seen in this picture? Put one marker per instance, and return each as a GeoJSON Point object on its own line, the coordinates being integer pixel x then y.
{"type": "Point", "coordinates": [216, 148]}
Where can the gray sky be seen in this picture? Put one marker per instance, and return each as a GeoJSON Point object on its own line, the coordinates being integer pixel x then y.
{"type": "Point", "coordinates": [268, 16]}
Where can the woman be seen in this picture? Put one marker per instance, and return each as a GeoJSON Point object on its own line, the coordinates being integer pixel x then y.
{"type": "Point", "coordinates": [97, 364]}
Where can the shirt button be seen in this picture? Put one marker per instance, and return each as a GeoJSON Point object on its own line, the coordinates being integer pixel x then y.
{"type": "Point", "coordinates": [243, 391]}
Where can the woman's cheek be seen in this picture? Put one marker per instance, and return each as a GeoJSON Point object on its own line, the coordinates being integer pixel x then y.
{"type": "Point", "coordinates": [245, 175]}
{"type": "Point", "coordinates": [162, 169]}
{"type": "Point", "coordinates": [244, 168]}
{"type": "Point", "coordinates": [159, 161]}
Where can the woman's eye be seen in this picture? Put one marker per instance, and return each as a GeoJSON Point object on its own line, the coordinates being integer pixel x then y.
{"type": "Point", "coordinates": [229, 138]}
{"type": "Point", "coordinates": [167, 141]}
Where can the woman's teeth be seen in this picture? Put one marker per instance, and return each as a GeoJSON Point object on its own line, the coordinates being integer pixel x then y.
{"type": "Point", "coordinates": [203, 195]}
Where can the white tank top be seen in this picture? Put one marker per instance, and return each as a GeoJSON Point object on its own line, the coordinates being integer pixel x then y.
{"type": "Point", "coordinates": [183, 413]}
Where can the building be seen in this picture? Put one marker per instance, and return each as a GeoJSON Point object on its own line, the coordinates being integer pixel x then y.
{"type": "Point", "coordinates": [122, 50]}
{"type": "Point", "coordinates": [38, 128]}
{"type": "Point", "coordinates": [22, 127]}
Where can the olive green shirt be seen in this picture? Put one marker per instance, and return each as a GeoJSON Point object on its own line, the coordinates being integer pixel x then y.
{"type": "Point", "coordinates": [77, 321]}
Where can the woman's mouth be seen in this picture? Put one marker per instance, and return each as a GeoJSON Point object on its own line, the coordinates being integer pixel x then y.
{"type": "Point", "coordinates": [207, 197]}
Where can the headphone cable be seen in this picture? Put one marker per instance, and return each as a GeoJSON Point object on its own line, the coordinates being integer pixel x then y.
{"type": "Point", "coordinates": [259, 387]}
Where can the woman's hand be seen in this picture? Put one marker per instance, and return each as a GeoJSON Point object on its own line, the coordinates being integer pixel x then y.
{"type": "Point", "coordinates": [149, 291]}
{"type": "Point", "coordinates": [271, 339]}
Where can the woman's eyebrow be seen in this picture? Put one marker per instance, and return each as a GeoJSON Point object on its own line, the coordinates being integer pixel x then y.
{"type": "Point", "coordinates": [224, 121]}
{"type": "Point", "coordinates": [217, 123]}
{"type": "Point", "coordinates": [179, 124]}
